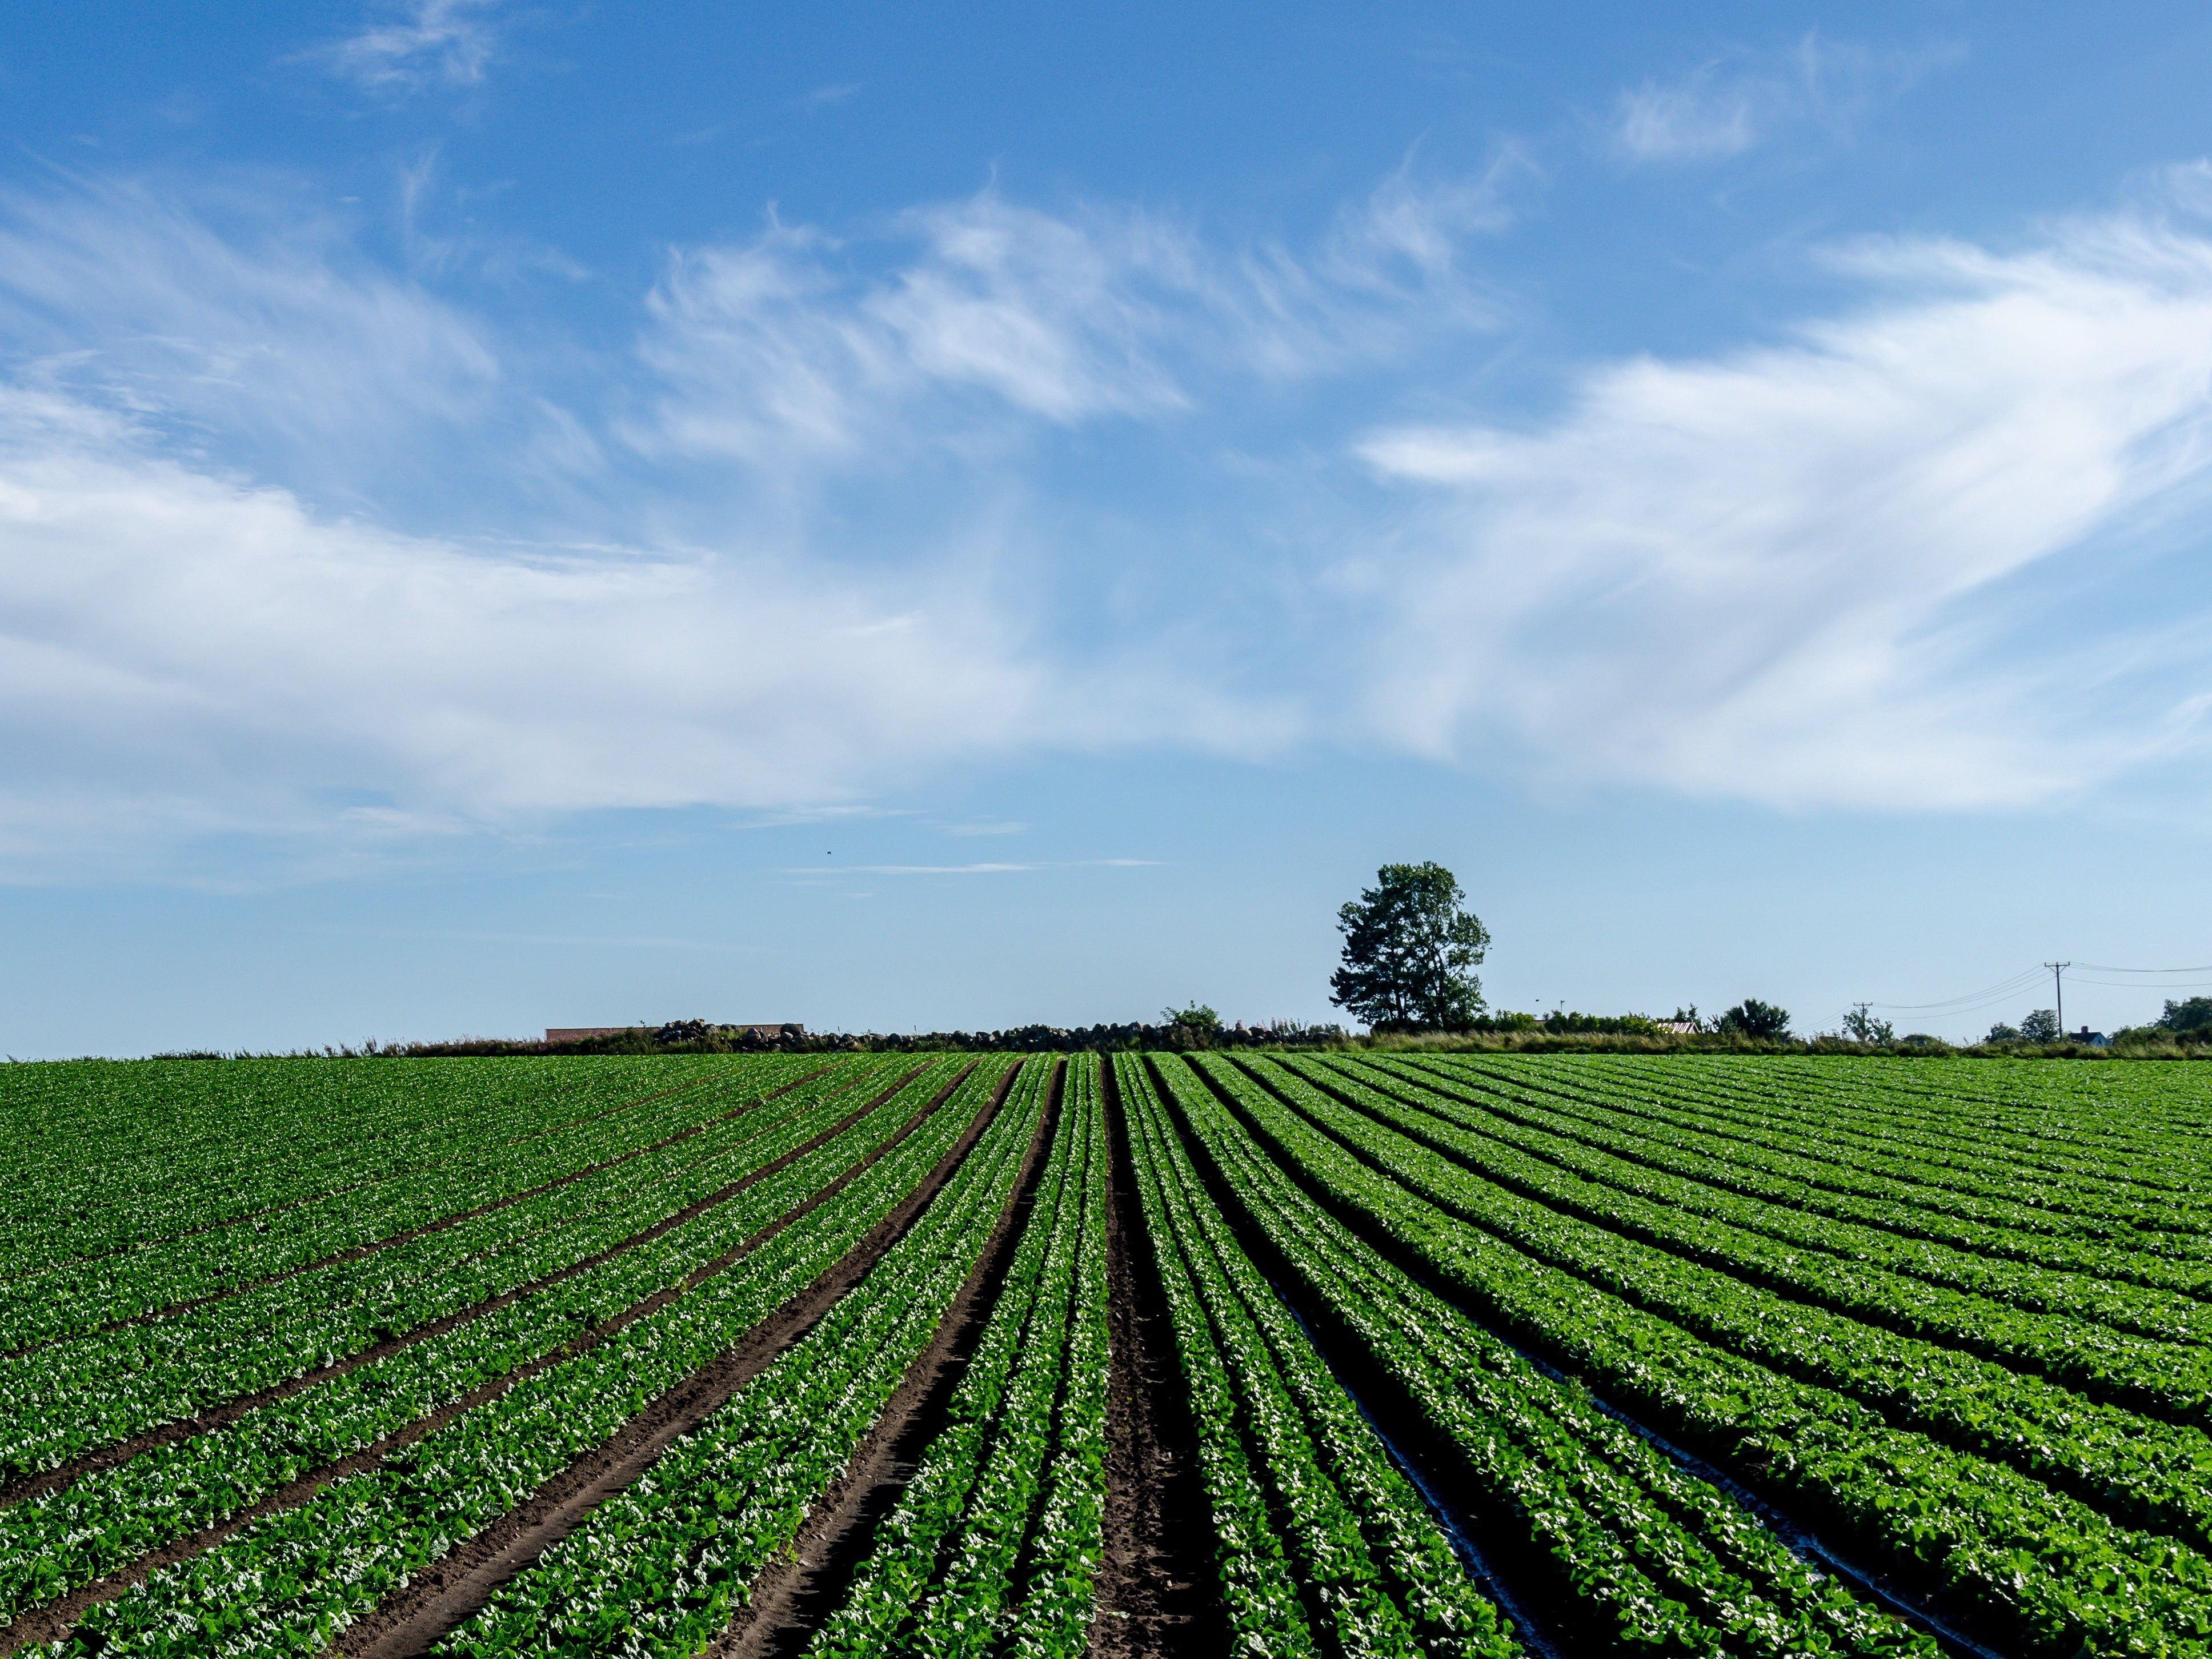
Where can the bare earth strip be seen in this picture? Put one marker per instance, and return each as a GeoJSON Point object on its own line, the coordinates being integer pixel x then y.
{"type": "Point", "coordinates": [411, 1622]}
{"type": "Point", "coordinates": [790, 1599]}
{"type": "Point", "coordinates": [1156, 1593]}
{"type": "Point", "coordinates": [217, 1417]}
{"type": "Point", "coordinates": [55, 1620]}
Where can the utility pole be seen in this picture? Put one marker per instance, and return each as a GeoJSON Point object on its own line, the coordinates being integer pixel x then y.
{"type": "Point", "coordinates": [2058, 990]}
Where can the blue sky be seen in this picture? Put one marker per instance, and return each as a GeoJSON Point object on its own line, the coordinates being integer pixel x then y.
{"type": "Point", "coordinates": [906, 517]}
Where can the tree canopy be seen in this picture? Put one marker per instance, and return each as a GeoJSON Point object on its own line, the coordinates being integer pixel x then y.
{"type": "Point", "coordinates": [2193, 1015]}
{"type": "Point", "coordinates": [1196, 1015]}
{"type": "Point", "coordinates": [1409, 952]}
{"type": "Point", "coordinates": [1753, 1018]}
{"type": "Point", "coordinates": [1860, 1025]}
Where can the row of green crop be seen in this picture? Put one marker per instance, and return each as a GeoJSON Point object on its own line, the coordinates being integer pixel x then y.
{"type": "Point", "coordinates": [1321, 1545]}
{"type": "Point", "coordinates": [84, 1297]}
{"type": "Point", "coordinates": [87, 1298]}
{"type": "Point", "coordinates": [661, 1567]}
{"type": "Point", "coordinates": [1787, 1212]}
{"type": "Point", "coordinates": [1785, 1176]}
{"type": "Point", "coordinates": [290, 1582]}
{"type": "Point", "coordinates": [2094, 1201]}
{"type": "Point", "coordinates": [1738, 1277]}
{"type": "Point", "coordinates": [53, 1544]}
{"type": "Point", "coordinates": [60, 1403]}
{"type": "Point", "coordinates": [2142, 1470]}
{"type": "Point", "coordinates": [400, 1190]}
{"type": "Point", "coordinates": [2088, 1206]}
{"type": "Point", "coordinates": [2055, 1575]}
{"type": "Point", "coordinates": [306, 1135]}
{"type": "Point", "coordinates": [1863, 1120]}
{"type": "Point", "coordinates": [1622, 1547]}
{"type": "Point", "coordinates": [192, 1145]}
{"type": "Point", "coordinates": [1025, 1434]}
{"type": "Point", "coordinates": [1988, 1121]}
{"type": "Point", "coordinates": [2089, 1117]}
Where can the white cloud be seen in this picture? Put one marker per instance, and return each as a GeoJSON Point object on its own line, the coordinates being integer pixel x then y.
{"type": "Point", "coordinates": [770, 348]}
{"type": "Point", "coordinates": [1773, 576]}
{"type": "Point", "coordinates": [1690, 119]}
{"type": "Point", "coordinates": [187, 654]}
{"type": "Point", "coordinates": [1780, 574]}
{"type": "Point", "coordinates": [267, 336]}
{"type": "Point", "coordinates": [427, 43]}
{"type": "Point", "coordinates": [1731, 103]}
{"type": "Point", "coordinates": [991, 317]}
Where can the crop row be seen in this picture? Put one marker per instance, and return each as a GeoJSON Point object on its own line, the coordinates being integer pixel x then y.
{"type": "Point", "coordinates": [942, 1573]}
{"type": "Point", "coordinates": [661, 1567]}
{"type": "Point", "coordinates": [1907, 1106]}
{"type": "Point", "coordinates": [1650, 1556]}
{"type": "Point", "coordinates": [152, 1164]}
{"type": "Point", "coordinates": [1324, 1546]}
{"type": "Point", "coordinates": [1785, 1176]}
{"type": "Point", "coordinates": [2107, 1139]}
{"type": "Point", "coordinates": [2090, 1208]}
{"type": "Point", "coordinates": [1784, 1210]}
{"type": "Point", "coordinates": [2150, 1471]}
{"type": "Point", "coordinates": [1855, 1121]}
{"type": "Point", "coordinates": [288, 1582]}
{"type": "Point", "coordinates": [2054, 1574]}
{"type": "Point", "coordinates": [81, 1296]}
{"type": "Point", "coordinates": [2117, 1117]}
{"type": "Point", "coordinates": [301, 1134]}
{"type": "Point", "coordinates": [1653, 1239]}
{"type": "Point", "coordinates": [56, 1542]}
{"type": "Point", "coordinates": [59, 1402]}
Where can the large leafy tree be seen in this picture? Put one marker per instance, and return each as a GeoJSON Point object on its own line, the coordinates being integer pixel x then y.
{"type": "Point", "coordinates": [1409, 952]}
{"type": "Point", "coordinates": [1753, 1018]}
{"type": "Point", "coordinates": [2194, 1015]}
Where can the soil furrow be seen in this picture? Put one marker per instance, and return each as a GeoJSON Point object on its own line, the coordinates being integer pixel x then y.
{"type": "Point", "coordinates": [55, 1620]}
{"type": "Point", "coordinates": [1157, 1590]}
{"type": "Point", "coordinates": [791, 1599]}
{"type": "Point", "coordinates": [1529, 1578]}
{"type": "Point", "coordinates": [216, 1417]}
{"type": "Point", "coordinates": [408, 1624]}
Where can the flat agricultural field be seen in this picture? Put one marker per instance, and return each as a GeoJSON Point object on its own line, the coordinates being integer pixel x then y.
{"type": "Point", "coordinates": [1306, 1354]}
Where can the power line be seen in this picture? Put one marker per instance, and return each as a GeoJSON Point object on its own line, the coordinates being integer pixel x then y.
{"type": "Point", "coordinates": [2002, 988]}
{"type": "Point", "coordinates": [2106, 967]}
{"type": "Point", "coordinates": [2143, 985]}
{"type": "Point", "coordinates": [1973, 1001]}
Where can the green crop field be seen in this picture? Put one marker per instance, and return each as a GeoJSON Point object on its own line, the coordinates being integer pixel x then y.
{"type": "Point", "coordinates": [1328, 1353]}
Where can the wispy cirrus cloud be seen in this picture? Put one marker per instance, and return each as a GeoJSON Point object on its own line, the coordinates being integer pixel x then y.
{"type": "Point", "coordinates": [796, 343]}
{"type": "Point", "coordinates": [242, 322]}
{"type": "Point", "coordinates": [1739, 99]}
{"type": "Point", "coordinates": [413, 46]}
{"type": "Point", "coordinates": [1797, 573]}
{"type": "Point", "coordinates": [1786, 574]}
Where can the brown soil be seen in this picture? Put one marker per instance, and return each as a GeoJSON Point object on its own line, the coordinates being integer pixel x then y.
{"type": "Point", "coordinates": [792, 1597]}
{"type": "Point", "coordinates": [1157, 1590]}
{"type": "Point", "coordinates": [217, 1417]}
{"type": "Point", "coordinates": [408, 1623]}
{"type": "Point", "coordinates": [51, 1622]}
{"type": "Point", "coordinates": [1552, 1620]}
